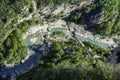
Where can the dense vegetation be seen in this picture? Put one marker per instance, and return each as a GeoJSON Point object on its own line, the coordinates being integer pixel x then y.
{"type": "Point", "coordinates": [73, 52]}
{"type": "Point", "coordinates": [10, 10]}
{"type": "Point", "coordinates": [69, 72]}
{"type": "Point", "coordinates": [67, 60]}
{"type": "Point", "coordinates": [102, 15]}
{"type": "Point", "coordinates": [70, 61]}
{"type": "Point", "coordinates": [13, 49]}
{"type": "Point", "coordinates": [107, 25]}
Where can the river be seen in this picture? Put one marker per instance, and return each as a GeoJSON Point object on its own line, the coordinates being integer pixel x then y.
{"type": "Point", "coordinates": [33, 59]}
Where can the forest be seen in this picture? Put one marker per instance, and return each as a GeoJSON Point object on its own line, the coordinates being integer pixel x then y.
{"type": "Point", "coordinates": [70, 61]}
{"type": "Point", "coordinates": [108, 24]}
{"type": "Point", "coordinates": [102, 15]}
{"type": "Point", "coordinates": [66, 60]}
{"type": "Point", "coordinates": [66, 71]}
{"type": "Point", "coordinates": [9, 12]}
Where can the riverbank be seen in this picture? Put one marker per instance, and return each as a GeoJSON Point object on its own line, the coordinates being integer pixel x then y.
{"type": "Point", "coordinates": [30, 61]}
{"type": "Point", "coordinates": [78, 30]}
{"type": "Point", "coordinates": [26, 66]}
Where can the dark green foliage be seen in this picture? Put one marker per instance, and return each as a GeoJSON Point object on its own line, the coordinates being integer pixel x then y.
{"type": "Point", "coordinates": [70, 72]}
{"type": "Point", "coordinates": [66, 61]}
{"type": "Point", "coordinates": [14, 48]}
{"type": "Point", "coordinates": [11, 8]}
{"type": "Point", "coordinates": [9, 11]}
{"type": "Point", "coordinates": [98, 50]}
{"type": "Point", "coordinates": [72, 52]}
{"type": "Point", "coordinates": [101, 15]}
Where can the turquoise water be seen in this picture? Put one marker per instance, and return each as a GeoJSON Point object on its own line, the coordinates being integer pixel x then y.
{"type": "Point", "coordinates": [57, 29]}
{"type": "Point", "coordinates": [24, 67]}
{"type": "Point", "coordinates": [102, 45]}
{"type": "Point", "coordinates": [27, 42]}
{"type": "Point", "coordinates": [69, 34]}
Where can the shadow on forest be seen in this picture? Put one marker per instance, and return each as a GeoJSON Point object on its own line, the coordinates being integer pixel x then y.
{"type": "Point", "coordinates": [88, 15]}
{"type": "Point", "coordinates": [39, 49]}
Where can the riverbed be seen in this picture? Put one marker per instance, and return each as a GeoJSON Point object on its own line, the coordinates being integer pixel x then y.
{"type": "Point", "coordinates": [34, 58]}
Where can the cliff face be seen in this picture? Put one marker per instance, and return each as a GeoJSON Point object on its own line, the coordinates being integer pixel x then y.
{"type": "Point", "coordinates": [102, 15]}
{"type": "Point", "coordinates": [21, 16]}
{"type": "Point", "coordinates": [92, 24]}
{"type": "Point", "coordinates": [95, 16]}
